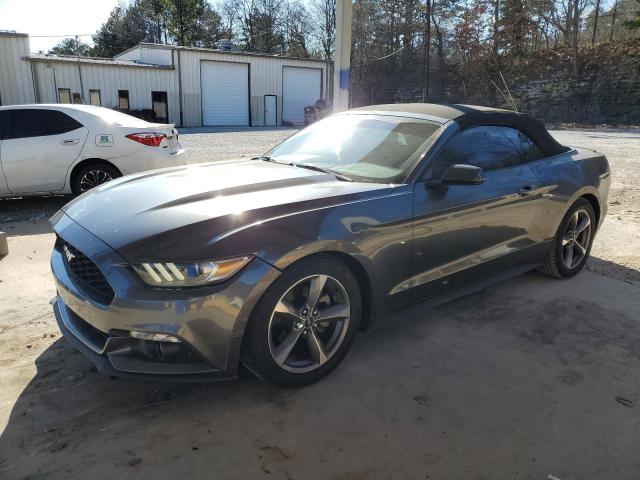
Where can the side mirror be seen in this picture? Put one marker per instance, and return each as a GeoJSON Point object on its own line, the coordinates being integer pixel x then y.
{"type": "Point", "coordinates": [459, 174]}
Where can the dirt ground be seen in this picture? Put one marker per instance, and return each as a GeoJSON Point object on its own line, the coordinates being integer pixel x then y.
{"type": "Point", "coordinates": [533, 378]}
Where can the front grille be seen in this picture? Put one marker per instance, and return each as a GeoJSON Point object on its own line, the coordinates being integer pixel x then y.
{"type": "Point", "coordinates": [85, 270]}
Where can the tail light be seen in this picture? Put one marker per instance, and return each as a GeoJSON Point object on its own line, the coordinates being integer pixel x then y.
{"type": "Point", "coordinates": [150, 139]}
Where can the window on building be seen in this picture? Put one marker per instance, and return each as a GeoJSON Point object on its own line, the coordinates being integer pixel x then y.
{"type": "Point", "coordinates": [64, 95]}
{"type": "Point", "coordinates": [94, 98]}
{"type": "Point", "coordinates": [123, 99]}
{"type": "Point", "coordinates": [487, 147]}
{"type": "Point", "coordinates": [27, 122]}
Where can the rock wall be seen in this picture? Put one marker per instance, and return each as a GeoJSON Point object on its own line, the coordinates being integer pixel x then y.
{"type": "Point", "coordinates": [606, 89]}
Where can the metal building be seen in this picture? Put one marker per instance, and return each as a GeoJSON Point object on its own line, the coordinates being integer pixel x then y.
{"type": "Point", "coordinates": [187, 86]}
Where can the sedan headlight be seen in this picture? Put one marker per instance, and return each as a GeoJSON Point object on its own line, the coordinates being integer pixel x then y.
{"type": "Point", "coordinates": [189, 274]}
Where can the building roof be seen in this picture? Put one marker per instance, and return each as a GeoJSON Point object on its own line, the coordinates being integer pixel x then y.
{"type": "Point", "coordinates": [469, 116]}
{"type": "Point", "coordinates": [12, 33]}
{"type": "Point", "coordinates": [164, 46]}
{"type": "Point", "coordinates": [45, 57]}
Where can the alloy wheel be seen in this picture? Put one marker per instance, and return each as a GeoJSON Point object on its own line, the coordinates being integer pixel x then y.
{"type": "Point", "coordinates": [93, 178]}
{"type": "Point", "coordinates": [309, 323]}
{"type": "Point", "coordinates": [576, 238]}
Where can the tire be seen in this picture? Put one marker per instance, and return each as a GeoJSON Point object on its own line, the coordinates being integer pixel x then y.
{"type": "Point", "coordinates": [92, 175]}
{"type": "Point", "coordinates": [556, 264]}
{"type": "Point", "coordinates": [282, 348]}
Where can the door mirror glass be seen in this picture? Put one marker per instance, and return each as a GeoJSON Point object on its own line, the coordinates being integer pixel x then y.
{"type": "Point", "coordinates": [460, 174]}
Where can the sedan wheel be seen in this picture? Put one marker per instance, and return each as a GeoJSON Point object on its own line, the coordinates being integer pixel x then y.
{"type": "Point", "coordinates": [93, 175]}
{"type": "Point", "coordinates": [93, 178]}
{"type": "Point", "coordinates": [304, 324]}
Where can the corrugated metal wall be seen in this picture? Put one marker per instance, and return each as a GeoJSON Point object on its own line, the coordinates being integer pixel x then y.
{"type": "Point", "coordinates": [139, 81]}
{"type": "Point", "coordinates": [155, 56]}
{"type": "Point", "coordinates": [16, 86]}
{"type": "Point", "coordinates": [265, 75]}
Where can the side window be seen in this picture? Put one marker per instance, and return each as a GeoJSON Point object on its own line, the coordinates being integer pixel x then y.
{"type": "Point", "coordinates": [487, 147]}
{"type": "Point", "coordinates": [39, 123]}
{"type": "Point", "coordinates": [4, 123]}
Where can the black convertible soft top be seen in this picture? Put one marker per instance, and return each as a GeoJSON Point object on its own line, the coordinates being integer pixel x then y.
{"type": "Point", "coordinates": [468, 116]}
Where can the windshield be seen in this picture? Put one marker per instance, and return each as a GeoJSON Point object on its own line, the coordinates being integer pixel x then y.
{"type": "Point", "coordinates": [374, 148]}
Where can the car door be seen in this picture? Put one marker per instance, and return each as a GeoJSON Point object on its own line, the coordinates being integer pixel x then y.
{"type": "Point", "coordinates": [463, 232]}
{"type": "Point", "coordinates": [40, 147]}
{"type": "Point", "coordinates": [4, 123]}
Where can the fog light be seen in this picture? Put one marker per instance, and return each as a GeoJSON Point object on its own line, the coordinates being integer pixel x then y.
{"type": "Point", "coordinates": [154, 337]}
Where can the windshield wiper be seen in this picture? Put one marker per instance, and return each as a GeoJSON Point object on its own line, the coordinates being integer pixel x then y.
{"type": "Point", "coordinates": [308, 166]}
{"type": "Point", "coordinates": [316, 168]}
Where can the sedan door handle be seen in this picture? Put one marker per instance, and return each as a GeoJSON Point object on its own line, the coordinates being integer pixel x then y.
{"type": "Point", "coordinates": [69, 141]}
{"type": "Point", "coordinates": [528, 190]}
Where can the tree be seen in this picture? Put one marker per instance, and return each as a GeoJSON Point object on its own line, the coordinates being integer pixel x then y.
{"type": "Point", "coordinates": [182, 20]}
{"type": "Point", "coordinates": [325, 26]}
{"type": "Point", "coordinates": [297, 30]}
{"type": "Point", "coordinates": [69, 46]}
{"type": "Point", "coordinates": [124, 29]}
{"type": "Point", "coordinates": [634, 24]}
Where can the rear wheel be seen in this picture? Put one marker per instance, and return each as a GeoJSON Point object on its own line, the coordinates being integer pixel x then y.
{"type": "Point", "coordinates": [572, 243]}
{"type": "Point", "coordinates": [305, 323]}
{"type": "Point", "coordinates": [92, 175]}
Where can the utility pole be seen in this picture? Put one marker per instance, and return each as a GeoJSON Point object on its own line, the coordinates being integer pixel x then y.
{"type": "Point", "coordinates": [427, 49]}
{"type": "Point", "coordinates": [342, 65]}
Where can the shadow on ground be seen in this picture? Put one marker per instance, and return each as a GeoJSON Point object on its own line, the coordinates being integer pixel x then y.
{"type": "Point", "coordinates": [529, 378]}
{"type": "Point", "coordinates": [29, 215]}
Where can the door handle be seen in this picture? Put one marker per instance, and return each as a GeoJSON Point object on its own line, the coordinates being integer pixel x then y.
{"type": "Point", "coordinates": [528, 190]}
{"type": "Point", "coordinates": [69, 141]}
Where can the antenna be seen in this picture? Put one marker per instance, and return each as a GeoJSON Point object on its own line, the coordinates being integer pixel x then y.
{"type": "Point", "coordinates": [508, 100]}
{"type": "Point", "coordinates": [508, 92]}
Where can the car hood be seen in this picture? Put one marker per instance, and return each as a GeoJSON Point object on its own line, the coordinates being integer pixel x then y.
{"type": "Point", "coordinates": [180, 213]}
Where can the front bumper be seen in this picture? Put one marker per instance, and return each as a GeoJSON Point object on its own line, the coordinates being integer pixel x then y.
{"type": "Point", "coordinates": [208, 321]}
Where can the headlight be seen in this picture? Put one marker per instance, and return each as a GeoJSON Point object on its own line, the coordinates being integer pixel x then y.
{"type": "Point", "coordinates": [189, 274]}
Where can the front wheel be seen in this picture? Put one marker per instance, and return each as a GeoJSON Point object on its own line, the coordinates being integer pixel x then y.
{"type": "Point", "coordinates": [572, 243]}
{"type": "Point", "coordinates": [305, 323]}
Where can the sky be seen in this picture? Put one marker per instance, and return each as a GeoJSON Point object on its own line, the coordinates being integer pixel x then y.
{"type": "Point", "coordinates": [54, 17]}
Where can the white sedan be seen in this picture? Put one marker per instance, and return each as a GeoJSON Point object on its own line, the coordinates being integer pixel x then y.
{"type": "Point", "coordinates": [73, 148]}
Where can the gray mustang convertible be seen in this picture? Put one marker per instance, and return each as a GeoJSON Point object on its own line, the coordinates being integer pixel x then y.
{"type": "Point", "coordinates": [276, 263]}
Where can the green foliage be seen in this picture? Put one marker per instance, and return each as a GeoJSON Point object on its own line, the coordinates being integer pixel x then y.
{"type": "Point", "coordinates": [69, 46]}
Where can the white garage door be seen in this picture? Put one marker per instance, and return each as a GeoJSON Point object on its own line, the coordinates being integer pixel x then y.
{"type": "Point", "coordinates": [300, 87]}
{"type": "Point", "coordinates": [225, 93]}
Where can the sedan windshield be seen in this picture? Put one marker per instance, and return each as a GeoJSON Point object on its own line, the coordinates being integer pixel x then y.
{"type": "Point", "coordinates": [373, 148]}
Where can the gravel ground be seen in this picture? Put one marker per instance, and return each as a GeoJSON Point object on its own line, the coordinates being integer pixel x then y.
{"type": "Point", "coordinates": [533, 378]}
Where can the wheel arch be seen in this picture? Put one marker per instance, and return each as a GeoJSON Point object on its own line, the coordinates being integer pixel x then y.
{"type": "Point", "coordinates": [595, 203]}
{"type": "Point", "coordinates": [83, 163]}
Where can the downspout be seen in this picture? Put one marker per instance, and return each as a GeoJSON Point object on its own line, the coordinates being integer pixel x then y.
{"type": "Point", "coordinates": [34, 78]}
{"type": "Point", "coordinates": [180, 88]}
{"type": "Point", "coordinates": [79, 70]}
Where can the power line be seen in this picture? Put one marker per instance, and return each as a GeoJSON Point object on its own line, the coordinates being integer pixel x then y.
{"type": "Point", "coordinates": [62, 36]}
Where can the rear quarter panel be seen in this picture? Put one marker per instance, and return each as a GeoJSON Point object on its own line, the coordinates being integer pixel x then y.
{"type": "Point", "coordinates": [569, 176]}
